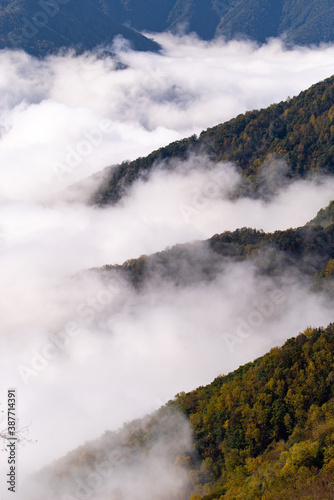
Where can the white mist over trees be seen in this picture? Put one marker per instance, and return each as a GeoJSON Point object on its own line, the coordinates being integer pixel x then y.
{"type": "Point", "coordinates": [125, 353]}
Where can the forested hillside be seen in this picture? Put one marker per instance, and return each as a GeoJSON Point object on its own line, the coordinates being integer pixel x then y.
{"type": "Point", "coordinates": [265, 431]}
{"type": "Point", "coordinates": [325, 217]}
{"type": "Point", "coordinates": [303, 22]}
{"type": "Point", "coordinates": [300, 131]}
{"type": "Point", "coordinates": [41, 28]}
{"type": "Point", "coordinates": [307, 250]}
{"type": "Point", "coordinates": [199, 16]}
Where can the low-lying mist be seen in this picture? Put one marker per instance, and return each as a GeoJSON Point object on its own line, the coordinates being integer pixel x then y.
{"type": "Point", "coordinates": [90, 352]}
{"type": "Point", "coordinates": [145, 459]}
{"type": "Point", "coordinates": [85, 113]}
{"type": "Point", "coordinates": [85, 350]}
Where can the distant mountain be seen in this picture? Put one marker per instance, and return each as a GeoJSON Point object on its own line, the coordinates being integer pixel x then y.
{"type": "Point", "coordinates": [263, 432]}
{"type": "Point", "coordinates": [122, 465]}
{"type": "Point", "coordinates": [299, 131]}
{"type": "Point", "coordinates": [301, 21]}
{"type": "Point", "coordinates": [42, 27]}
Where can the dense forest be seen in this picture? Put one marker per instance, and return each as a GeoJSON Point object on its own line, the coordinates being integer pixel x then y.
{"type": "Point", "coordinates": [300, 131]}
{"type": "Point", "coordinates": [42, 28]}
{"type": "Point", "coordinates": [265, 431]}
{"type": "Point", "coordinates": [301, 22]}
{"type": "Point", "coordinates": [307, 250]}
{"type": "Point", "coordinates": [199, 16]}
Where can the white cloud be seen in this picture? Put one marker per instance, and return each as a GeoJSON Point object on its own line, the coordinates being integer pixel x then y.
{"type": "Point", "coordinates": [51, 105]}
{"type": "Point", "coordinates": [139, 348]}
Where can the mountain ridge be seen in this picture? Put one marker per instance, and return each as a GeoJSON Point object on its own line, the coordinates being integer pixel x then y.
{"type": "Point", "coordinates": [298, 22]}
{"type": "Point", "coordinates": [43, 28]}
{"type": "Point", "coordinates": [263, 430]}
{"type": "Point", "coordinates": [300, 131]}
{"type": "Point", "coordinates": [33, 26]}
{"type": "Point", "coordinates": [308, 250]}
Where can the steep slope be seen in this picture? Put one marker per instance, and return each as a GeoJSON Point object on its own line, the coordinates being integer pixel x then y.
{"type": "Point", "coordinates": [303, 22]}
{"type": "Point", "coordinates": [264, 432]}
{"type": "Point", "coordinates": [43, 27]}
{"type": "Point", "coordinates": [324, 279]}
{"type": "Point", "coordinates": [313, 23]}
{"type": "Point", "coordinates": [256, 19]}
{"type": "Point", "coordinates": [300, 131]}
{"type": "Point", "coordinates": [308, 250]}
{"type": "Point", "coordinates": [142, 15]}
{"type": "Point", "coordinates": [325, 217]}
{"type": "Point", "coordinates": [139, 461]}
{"type": "Point", "coordinates": [199, 16]}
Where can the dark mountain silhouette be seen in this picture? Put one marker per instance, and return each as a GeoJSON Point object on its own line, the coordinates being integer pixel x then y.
{"type": "Point", "coordinates": [45, 26]}
{"type": "Point", "coordinates": [302, 22]}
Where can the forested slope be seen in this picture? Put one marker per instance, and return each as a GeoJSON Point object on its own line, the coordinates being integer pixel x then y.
{"type": "Point", "coordinates": [265, 431]}
{"type": "Point", "coordinates": [307, 250]}
{"type": "Point", "coordinates": [303, 22]}
{"type": "Point", "coordinates": [300, 131]}
{"type": "Point", "coordinates": [41, 28]}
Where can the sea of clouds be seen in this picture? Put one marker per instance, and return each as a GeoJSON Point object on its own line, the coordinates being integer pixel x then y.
{"type": "Point", "coordinates": [121, 353]}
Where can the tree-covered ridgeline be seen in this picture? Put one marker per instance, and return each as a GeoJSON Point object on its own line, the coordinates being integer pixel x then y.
{"type": "Point", "coordinates": [307, 250]}
{"type": "Point", "coordinates": [299, 131]}
{"type": "Point", "coordinates": [41, 27]}
{"type": "Point", "coordinates": [267, 430]}
{"type": "Point", "coordinates": [264, 431]}
{"type": "Point", "coordinates": [83, 24]}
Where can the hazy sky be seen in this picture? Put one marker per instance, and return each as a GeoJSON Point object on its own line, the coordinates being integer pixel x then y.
{"type": "Point", "coordinates": [65, 118]}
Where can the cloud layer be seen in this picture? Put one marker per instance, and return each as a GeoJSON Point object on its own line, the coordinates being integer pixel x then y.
{"type": "Point", "coordinates": [51, 108]}
{"type": "Point", "coordinates": [121, 354]}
